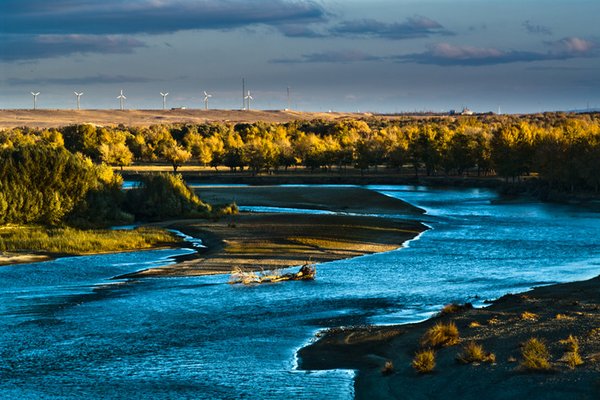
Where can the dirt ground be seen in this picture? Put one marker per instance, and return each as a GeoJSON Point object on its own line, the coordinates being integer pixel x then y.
{"type": "Point", "coordinates": [555, 312]}
{"type": "Point", "coordinates": [57, 118]}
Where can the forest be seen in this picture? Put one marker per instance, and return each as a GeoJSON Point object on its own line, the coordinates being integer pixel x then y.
{"type": "Point", "coordinates": [67, 168]}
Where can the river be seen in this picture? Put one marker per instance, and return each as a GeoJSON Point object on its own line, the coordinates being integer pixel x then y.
{"type": "Point", "coordinates": [69, 331]}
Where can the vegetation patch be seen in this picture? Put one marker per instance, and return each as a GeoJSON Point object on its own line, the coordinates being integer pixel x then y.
{"type": "Point", "coordinates": [424, 361]}
{"type": "Point", "coordinates": [441, 335]}
{"type": "Point", "coordinates": [454, 308]}
{"type": "Point", "coordinates": [564, 317]}
{"type": "Point", "coordinates": [529, 316]}
{"type": "Point", "coordinates": [164, 195]}
{"type": "Point", "coordinates": [388, 368]}
{"type": "Point", "coordinates": [535, 356]}
{"type": "Point", "coordinates": [65, 240]}
{"type": "Point", "coordinates": [474, 353]}
{"type": "Point", "coordinates": [571, 356]}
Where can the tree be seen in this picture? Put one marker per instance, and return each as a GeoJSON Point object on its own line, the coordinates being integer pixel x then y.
{"type": "Point", "coordinates": [175, 154]}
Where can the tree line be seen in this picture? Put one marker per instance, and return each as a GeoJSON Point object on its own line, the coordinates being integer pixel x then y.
{"type": "Point", "coordinates": [562, 149]}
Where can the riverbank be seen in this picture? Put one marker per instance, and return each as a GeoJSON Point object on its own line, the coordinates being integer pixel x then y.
{"type": "Point", "coordinates": [550, 313]}
{"type": "Point", "coordinates": [27, 244]}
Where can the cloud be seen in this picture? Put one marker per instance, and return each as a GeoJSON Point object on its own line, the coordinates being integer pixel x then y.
{"type": "Point", "coordinates": [414, 27]}
{"type": "Point", "coordinates": [30, 47]}
{"type": "Point", "coordinates": [37, 29]}
{"type": "Point", "coordinates": [445, 54]}
{"type": "Point", "coordinates": [536, 29]}
{"type": "Point", "coordinates": [85, 80]}
{"type": "Point", "coordinates": [150, 16]}
{"type": "Point", "coordinates": [295, 30]}
{"type": "Point", "coordinates": [348, 56]}
{"type": "Point", "coordinates": [573, 46]}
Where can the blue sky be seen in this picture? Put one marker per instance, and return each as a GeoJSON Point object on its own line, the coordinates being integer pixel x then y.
{"type": "Point", "coordinates": [379, 55]}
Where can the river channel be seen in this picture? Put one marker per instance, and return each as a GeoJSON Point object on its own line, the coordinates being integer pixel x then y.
{"type": "Point", "coordinates": [67, 330]}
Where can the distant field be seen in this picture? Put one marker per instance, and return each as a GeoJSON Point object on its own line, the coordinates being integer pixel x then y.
{"type": "Point", "coordinates": [57, 118]}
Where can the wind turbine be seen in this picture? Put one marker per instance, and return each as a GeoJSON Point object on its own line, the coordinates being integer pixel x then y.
{"type": "Point", "coordinates": [121, 98]}
{"type": "Point", "coordinates": [35, 95]}
{"type": "Point", "coordinates": [78, 97]}
{"type": "Point", "coordinates": [248, 98]}
{"type": "Point", "coordinates": [243, 93]}
{"type": "Point", "coordinates": [289, 104]}
{"type": "Point", "coordinates": [164, 96]}
{"type": "Point", "coordinates": [206, 97]}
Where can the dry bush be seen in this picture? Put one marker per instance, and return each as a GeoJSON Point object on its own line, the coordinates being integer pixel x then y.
{"type": "Point", "coordinates": [529, 316]}
{"type": "Point", "coordinates": [572, 356]}
{"type": "Point", "coordinates": [564, 317]}
{"type": "Point", "coordinates": [493, 321]}
{"type": "Point", "coordinates": [454, 308]}
{"type": "Point", "coordinates": [474, 353]}
{"type": "Point", "coordinates": [474, 324]}
{"type": "Point", "coordinates": [441, 335]}
{"type": "Point", "coordinates": [388, 368]}
{"type": "Point", "coordinates": [535, 355]}
{"type": "Point", "coordinates": [424, 361]}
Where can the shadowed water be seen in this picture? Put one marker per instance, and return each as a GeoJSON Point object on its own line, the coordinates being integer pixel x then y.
{"type": "Point", "coordinates": [68, 331]}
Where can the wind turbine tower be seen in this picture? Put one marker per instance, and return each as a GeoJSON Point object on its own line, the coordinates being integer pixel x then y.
{"type": "Point", "coordinates": [164, 96]}
{"type": "Point", "coordinates": [248, 98]}
{"type": "Point", "coordinates": [35, 95]}
{"type": "Point", "coordinates": [243, 93]}
{"type": "Point", "coordinates": [206, 97]}
{"type": "Point", "coordinates": [78, 98]}
{"type": "Point", "coordinates": [121, 98]}
{"type": "Point", "coordinates": [289, 104]}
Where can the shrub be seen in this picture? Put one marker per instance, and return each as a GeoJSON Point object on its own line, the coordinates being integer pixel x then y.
{"type": "Point", "coordinates": [529, 316]}
{"type": "Point", "coordinates": [535, 355]}
{"type": "Point", "coordinates": [564, 317]}
{"type": "Point", "coordinates": [165, 196]}
{"type": "Point", "coordinates": [454, 308]}
{"type": "Point", "coordinates": [474, 353]}
{"type": "Point", "coordinates": [441, 335]}
{"type": "Point", "coordinates": [424, 361]}
{"type": "Point", "coordinates": [572, 356]}
{"type": "Point", "coordinates": [388, 368]}
{"type": "Point", "coordinates": [474, 324]}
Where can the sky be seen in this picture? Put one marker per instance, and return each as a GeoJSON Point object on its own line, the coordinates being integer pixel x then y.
{"type": "Point", "coordinates": [369, 56]}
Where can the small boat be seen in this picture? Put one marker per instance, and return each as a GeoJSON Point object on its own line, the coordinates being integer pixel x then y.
{"type": "Point", "coordinates": [307, 272]}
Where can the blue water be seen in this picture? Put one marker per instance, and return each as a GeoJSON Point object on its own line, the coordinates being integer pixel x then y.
{"type": "Point", "coordinates": [69, 331]}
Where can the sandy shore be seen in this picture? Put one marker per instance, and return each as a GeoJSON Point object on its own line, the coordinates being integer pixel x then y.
{"type": "Point", "coordinates": [18, 258]}
{"type": "Point", "coordinates": [269, 241]}
{"type": "Point", "coordinates": [278, 240]}
{"type": "Point", "coordinates": [336, 199]}
{"type": "Point", "coordinates": [559, 311]}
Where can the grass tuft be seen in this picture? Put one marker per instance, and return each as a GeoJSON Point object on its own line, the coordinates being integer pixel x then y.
{"type": "Point", "coordinates": [388, 368]}
{"type": "Point", "coordinates": [441, 335]}
{"type": "Point", "coordinates": [474, 353]}
{"type": "Point", "coordinates": [535, 355]}
{"type": "Point", "coordinates": [529, 316]}
{"type": "Point", "coordinates": [424, 361]}
{"type": "Point", "coordinates": [564, 317]}
{"type": "Point", "coordinates": [572, 356]}
{"type": "Point", "coordinates": [454, 308]}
